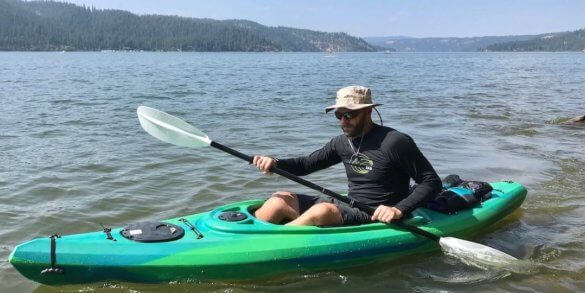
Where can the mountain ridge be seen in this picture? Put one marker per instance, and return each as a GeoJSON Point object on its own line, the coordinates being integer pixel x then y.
{"type": "Point", "coordinates": [552, 42]}
{"type": "Point", "coordinates": [56, 26]}
{"type": "Point", "coordinates": [557, 41]}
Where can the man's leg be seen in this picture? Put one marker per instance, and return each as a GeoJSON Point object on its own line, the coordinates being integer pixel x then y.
{"type": "Point", "coordinates": [321, 214]}
{"type": "Point", "coordinates": [282, 205]}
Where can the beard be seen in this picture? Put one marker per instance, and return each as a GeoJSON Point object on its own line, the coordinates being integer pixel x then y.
{"type": "Point", "coordinates": [354, 130]}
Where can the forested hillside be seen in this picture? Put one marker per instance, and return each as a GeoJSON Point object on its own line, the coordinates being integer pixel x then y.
{"type": "Point", "coordinates": [569, 41]}
{"type": "Point", "coordinates": [47, 25]}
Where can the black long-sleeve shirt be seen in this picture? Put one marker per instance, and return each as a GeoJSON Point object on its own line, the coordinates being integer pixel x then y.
{"type": "Point", "coordinates": [380, 173]}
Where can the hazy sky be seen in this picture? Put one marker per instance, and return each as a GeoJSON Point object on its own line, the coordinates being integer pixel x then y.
{"type": "Point", "coordinates": [415, 18]}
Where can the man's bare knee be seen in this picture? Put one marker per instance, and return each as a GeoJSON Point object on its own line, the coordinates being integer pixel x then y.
{"type": "Point", "coordinates": [281, 205]}
{"type": "Point", "coordinates": [284, 194]}
{"type": "Point", "coordinates": [287, 198]}
{"type": "Point", "coordinates": [325, 214]}
{"type": "Point", "coordinates": [322, 209]}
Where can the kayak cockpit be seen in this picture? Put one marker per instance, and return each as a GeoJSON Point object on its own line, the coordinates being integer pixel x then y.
{"type": "Point", "coordinates": [239, 218]}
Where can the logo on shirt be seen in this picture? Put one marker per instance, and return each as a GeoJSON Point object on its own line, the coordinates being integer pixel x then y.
{"type": "Point", "coordinates": [361, 164]}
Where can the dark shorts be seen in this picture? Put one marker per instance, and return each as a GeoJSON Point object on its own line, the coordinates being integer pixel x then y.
{"type": "Point", "coordinates": [350, 215]}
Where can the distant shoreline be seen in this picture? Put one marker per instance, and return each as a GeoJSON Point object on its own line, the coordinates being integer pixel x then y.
{"type": "Point", "coordinates": [287, 52]}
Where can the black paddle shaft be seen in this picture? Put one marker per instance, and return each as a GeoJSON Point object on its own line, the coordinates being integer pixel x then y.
{"type": "Point", "coordinates": [325, 191]}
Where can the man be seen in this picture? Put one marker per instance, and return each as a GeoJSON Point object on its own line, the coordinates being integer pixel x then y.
{"type": "Point", "coordinates": [379, 162]}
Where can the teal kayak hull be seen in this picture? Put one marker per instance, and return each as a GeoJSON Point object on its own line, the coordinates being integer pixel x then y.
{"type": "Point", "coordinates": [248, 248]}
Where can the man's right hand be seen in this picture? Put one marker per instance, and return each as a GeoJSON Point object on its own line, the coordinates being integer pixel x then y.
{"type": "Point", "coordinates": [264, 163]}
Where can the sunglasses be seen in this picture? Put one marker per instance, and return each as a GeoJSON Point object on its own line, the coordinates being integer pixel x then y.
{"type": "Point", "coordinates": [348, 115]}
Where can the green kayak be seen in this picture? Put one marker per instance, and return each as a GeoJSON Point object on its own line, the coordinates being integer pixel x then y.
{"type": "Point", "coordinates": [228, 243]}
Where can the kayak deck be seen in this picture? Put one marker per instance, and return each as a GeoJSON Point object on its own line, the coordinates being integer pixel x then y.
{"type": "Point", "coordinates": [248, 248]}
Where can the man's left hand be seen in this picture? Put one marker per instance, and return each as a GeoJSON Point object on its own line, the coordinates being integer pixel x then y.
{"type": "Point", "coordinates": [386, 214]}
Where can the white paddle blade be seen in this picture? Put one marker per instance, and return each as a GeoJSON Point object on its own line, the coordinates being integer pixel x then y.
{"type": "Point", "coordinates": [475, 253]}
{"type": "Point", "coordinates": [171, 129]}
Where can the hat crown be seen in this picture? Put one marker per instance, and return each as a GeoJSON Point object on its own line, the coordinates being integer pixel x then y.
{"type": "Point", "coordinates": [353, 95]}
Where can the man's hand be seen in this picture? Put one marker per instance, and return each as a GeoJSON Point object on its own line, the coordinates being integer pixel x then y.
{"type": "Point", "coordinates": [386, 214]}
{"type": "Point", "coordinates": [264, 163]}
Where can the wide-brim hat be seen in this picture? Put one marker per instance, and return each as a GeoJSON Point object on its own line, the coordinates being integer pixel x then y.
{"type": "Point", "coordinates": [353, 97]}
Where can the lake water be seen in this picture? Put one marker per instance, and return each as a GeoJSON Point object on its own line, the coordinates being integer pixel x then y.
{"type": "Point", "coordinates": [73, 155]}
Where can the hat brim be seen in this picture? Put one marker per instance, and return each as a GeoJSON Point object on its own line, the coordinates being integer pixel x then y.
{"type": "Point", "coordinates": [350, 107]}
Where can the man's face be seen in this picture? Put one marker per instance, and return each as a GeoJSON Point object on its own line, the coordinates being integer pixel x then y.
{"type": "Point", "coordinates": [352, 122]}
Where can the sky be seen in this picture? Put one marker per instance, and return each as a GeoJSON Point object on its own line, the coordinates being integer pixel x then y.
{"type": "Point", "coordinates": [367, 18]}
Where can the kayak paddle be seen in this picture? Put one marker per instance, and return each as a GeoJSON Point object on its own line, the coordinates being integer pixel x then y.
{"type": "Point", "coordinates": [175, 131]}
